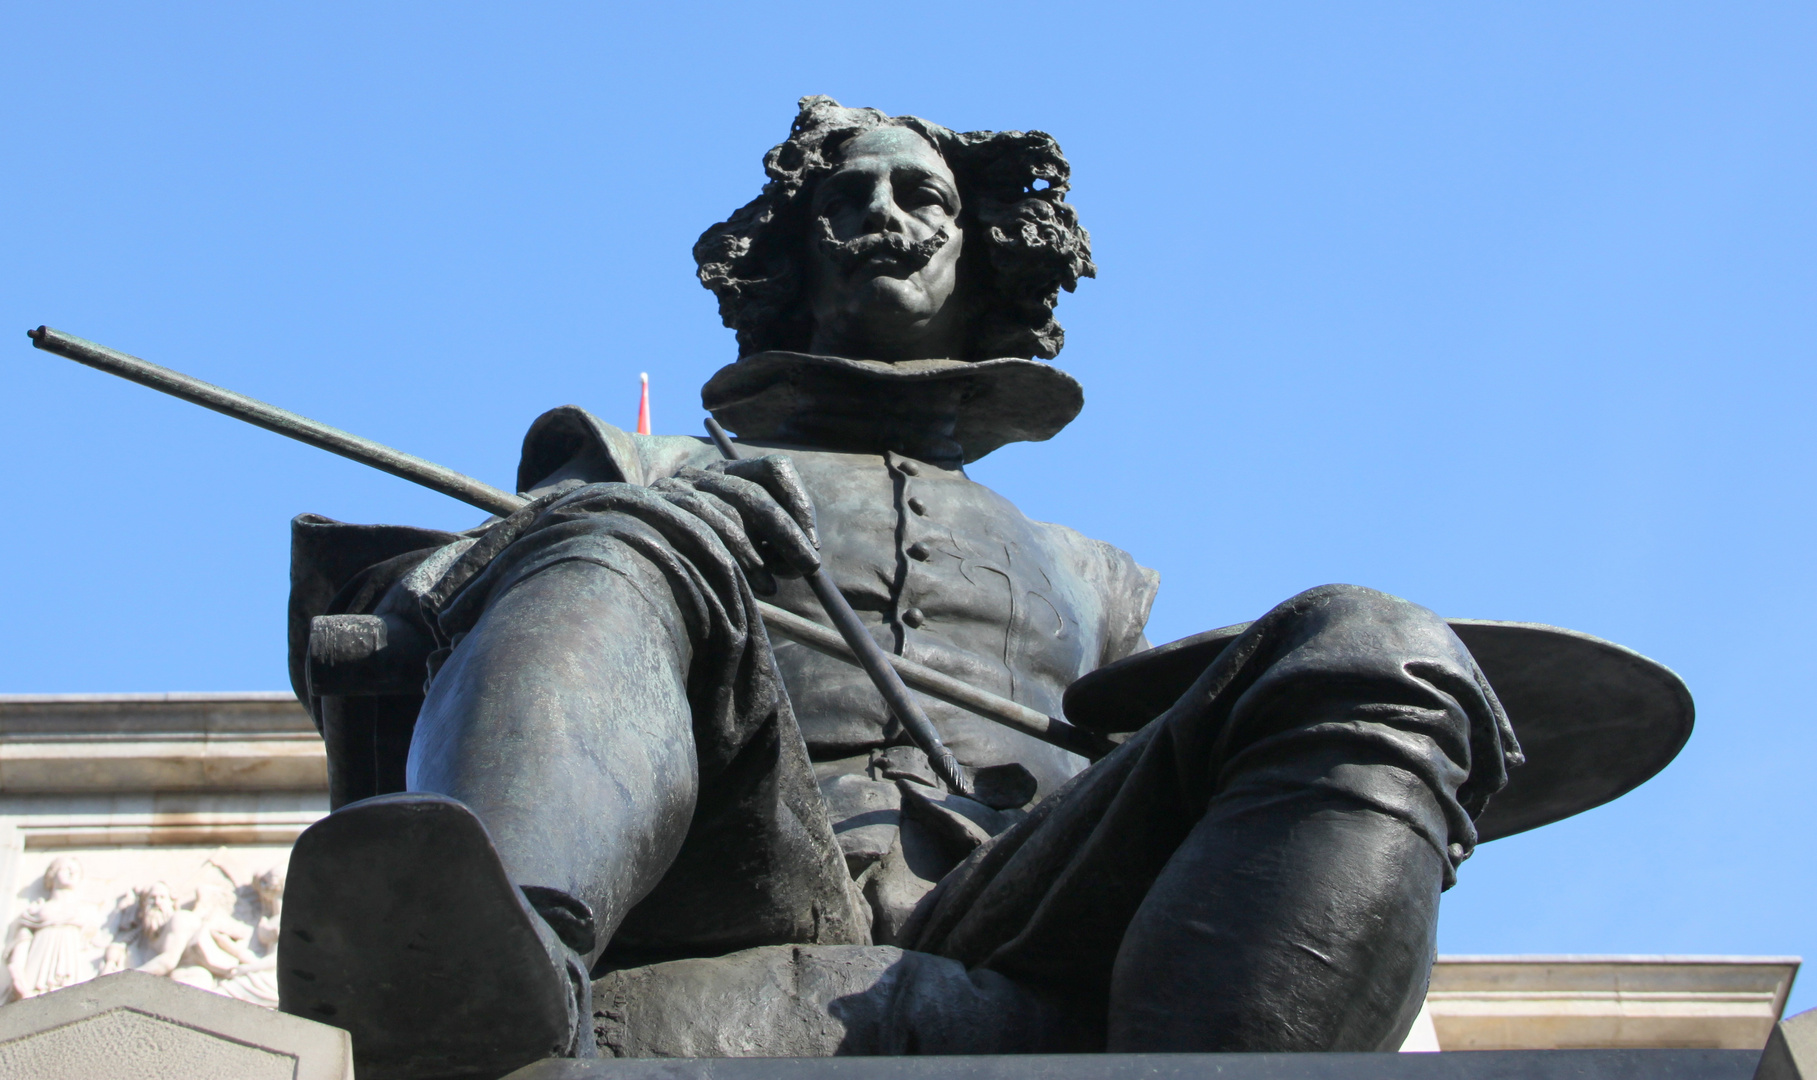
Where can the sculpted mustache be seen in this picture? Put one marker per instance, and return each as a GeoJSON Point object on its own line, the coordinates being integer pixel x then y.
{"type": "Point", "coordinates": [912, 255]}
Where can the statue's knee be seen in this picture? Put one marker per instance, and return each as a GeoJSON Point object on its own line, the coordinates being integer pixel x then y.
{"type": "Point", "coordinates": [1342, 601]}
{"type": "Point", "coordinates": [1358, 691]}
{"type": "Point", "coordinates": [1352, 618]}
{"type": "Point", "coordinates": [1340, 592]}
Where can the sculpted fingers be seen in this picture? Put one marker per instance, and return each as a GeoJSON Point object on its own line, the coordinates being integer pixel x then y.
{"type": "Point", "coordinates": [765, 520]}
{"type": "Point", "coordinates": [726, 522]}
{"type": "Point", "coordinates": [776, 474]}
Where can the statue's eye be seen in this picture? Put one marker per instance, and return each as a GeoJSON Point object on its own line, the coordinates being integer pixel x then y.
{"type": "Point", "coordinates": [925, 195]}
{"type": "Point", "coordinates": [834, 197]}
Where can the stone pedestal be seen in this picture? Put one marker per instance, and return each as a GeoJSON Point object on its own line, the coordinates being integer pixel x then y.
{"type": "Point", "coordinates": [1475, 1065]}
{"type": "Point", "coordinates": [133, 1026]}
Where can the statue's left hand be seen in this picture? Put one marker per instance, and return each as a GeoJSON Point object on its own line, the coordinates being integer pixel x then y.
{"type": "Point", "coordinates": [761, 510]}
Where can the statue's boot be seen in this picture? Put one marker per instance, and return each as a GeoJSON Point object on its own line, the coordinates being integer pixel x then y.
{"type": "Point", "coordinates": [401, 926]}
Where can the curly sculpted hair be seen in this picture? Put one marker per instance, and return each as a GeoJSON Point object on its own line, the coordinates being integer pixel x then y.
{"type": "Point", "coordinates": [1013, 188]}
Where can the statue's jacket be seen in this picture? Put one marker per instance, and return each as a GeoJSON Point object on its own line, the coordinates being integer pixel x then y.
{"type": "Point", "coordinates": [941, 569]}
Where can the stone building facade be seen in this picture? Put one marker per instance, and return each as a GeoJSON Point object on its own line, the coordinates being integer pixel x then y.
{"type": "Point", "coordinates": [136, 831]}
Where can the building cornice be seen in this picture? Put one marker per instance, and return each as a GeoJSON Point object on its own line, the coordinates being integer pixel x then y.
{"type": "Point", "coordinates": [1564, 1002]}
{"type": "Point", "coordinates": [170, 742]}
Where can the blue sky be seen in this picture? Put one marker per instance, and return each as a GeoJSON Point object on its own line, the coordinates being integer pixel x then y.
{"type": "Point", "coordinates": [1505, 308]}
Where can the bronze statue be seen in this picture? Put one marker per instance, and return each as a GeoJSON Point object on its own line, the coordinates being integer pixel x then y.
{"type": "Point", "coordinates": [614, 804]}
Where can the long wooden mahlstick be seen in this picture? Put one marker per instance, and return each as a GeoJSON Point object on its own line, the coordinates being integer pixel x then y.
{"type": "Point", "coordinates": [271, 418]}
{"type": "Point", "coordinates": [495, 500]}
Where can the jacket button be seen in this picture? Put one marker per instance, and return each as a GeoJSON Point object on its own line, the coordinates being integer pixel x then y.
{"type": "Point", "coordinates": [920, 552]}
{"type": "Point", "coordinates": [913, 617]}
{"type": "Point", "coordinates": [917, 506]}
{"type": "Point", "coordinates": [909, 468]}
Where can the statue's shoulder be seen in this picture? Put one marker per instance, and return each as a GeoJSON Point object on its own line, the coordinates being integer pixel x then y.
{"type": "Point", "coordinates": [571, 443]}
{"type": "Point", "coordinates": [1101, 564]}
{"type": "Point", "coordinates": [1127, 588]}
{"type": "Point", "coordinates": [1099, 557]}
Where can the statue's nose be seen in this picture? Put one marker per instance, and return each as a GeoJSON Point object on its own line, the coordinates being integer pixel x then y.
{"type": "Point", "coordinates": [881, 214]}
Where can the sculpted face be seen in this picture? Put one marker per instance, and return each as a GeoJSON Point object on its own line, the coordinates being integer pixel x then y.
{"type": "Point", "coordinates": [156, 906]}
{"type": "Point", "coordinates": [885, 247]}
{"type": "Point", "coordinates": [62, 873]}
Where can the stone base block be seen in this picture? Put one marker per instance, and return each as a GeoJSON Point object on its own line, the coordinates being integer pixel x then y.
{"type": "Point", "coordinates": [1474, 1065]}
{"type": "Point", "coordinates": [133, 1026]}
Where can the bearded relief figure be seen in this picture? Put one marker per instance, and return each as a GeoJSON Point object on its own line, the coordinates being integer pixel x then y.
{"type": "Point", "coordinates": [63, 939]}
{"type": "Point", "coordinates": [166, 931]}
{"type": "Point", "coordinates": [52, 940]}
{"type": "Point", "coordinates": [618, 815]}
{"type": "Point", "coordinates": [197, 945]}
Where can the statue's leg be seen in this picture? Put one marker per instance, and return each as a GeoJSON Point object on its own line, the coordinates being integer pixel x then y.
{"type": "Point", "coordinates": [1292, 918]}
{"type": "Point", "coordinates": [562, 721]}
{"type": "Point", "coordinates": [1259, 868]}
{"type": "Point", "coordinates": [607, 727]}
{"type": "Point", "coordinates": [552, 781]}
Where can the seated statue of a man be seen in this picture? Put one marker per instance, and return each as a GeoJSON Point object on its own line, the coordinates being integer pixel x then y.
{"type": "Point", "coordinates": [620, 818]}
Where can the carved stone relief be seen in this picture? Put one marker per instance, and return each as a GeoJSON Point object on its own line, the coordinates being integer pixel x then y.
{"type": "Point", "coordinates": [206, 921]}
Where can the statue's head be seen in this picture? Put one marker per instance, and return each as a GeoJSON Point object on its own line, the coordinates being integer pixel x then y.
{"type": "Point", "coordinates": [890, 238]}
{"type": "Point", "coordinates": [156, 906]}
{"type": "Point", "coordinates": [270, 885]}
{"type": "Point", "coordinates": [63, 873]}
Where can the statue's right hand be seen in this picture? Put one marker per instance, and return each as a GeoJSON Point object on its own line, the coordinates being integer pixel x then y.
{"type": "Point", "coordinates": [761, 510]}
